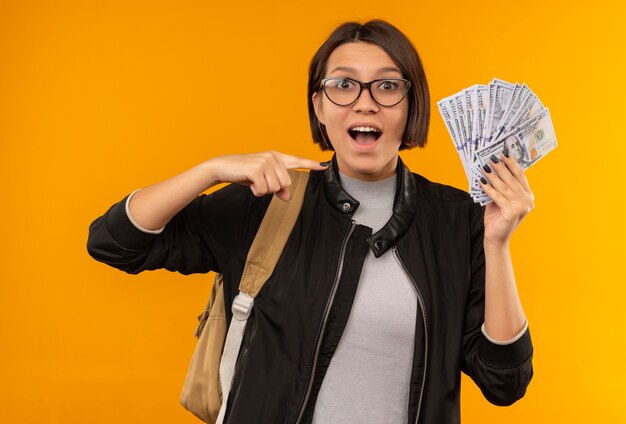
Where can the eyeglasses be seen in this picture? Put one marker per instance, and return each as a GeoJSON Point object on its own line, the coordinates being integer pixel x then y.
{"type": "Point", "coordinates": [344, 91]}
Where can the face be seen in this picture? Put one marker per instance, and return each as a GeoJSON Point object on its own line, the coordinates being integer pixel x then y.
{"type": "Point", "coordinates": [376, 160]}
{"type": "Point", "coordinates": [514, 148]}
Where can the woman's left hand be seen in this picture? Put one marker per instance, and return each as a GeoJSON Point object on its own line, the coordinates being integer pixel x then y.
{"type": "Point", "coordinates": [512, 199]}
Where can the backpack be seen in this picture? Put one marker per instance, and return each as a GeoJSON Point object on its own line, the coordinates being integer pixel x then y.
{"type": "Point", "coordinates": [212, 365]}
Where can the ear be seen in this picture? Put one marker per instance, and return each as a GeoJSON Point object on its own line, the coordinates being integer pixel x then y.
{"type": "Point", "coordinates": [317, 105]}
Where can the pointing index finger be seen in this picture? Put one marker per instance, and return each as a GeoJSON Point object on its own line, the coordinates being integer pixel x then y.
{"type": "Point", "coordinates": [292, 162]}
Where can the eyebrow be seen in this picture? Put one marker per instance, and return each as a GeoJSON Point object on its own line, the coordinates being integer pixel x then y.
{"type": "Point", "coordinates": [384, 69]}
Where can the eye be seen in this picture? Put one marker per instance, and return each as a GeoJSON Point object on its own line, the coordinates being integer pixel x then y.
{"type": "Point", "coordinates": [388, 85]}
{"type": "Point", "coordinates": [343, 84]}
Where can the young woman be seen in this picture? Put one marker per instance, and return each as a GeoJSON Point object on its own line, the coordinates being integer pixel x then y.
{"type": "Point", "coordinates": [389, 286]}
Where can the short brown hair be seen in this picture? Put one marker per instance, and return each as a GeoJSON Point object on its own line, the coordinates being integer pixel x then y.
{"type": "Point", "coordinates": [401, 51]}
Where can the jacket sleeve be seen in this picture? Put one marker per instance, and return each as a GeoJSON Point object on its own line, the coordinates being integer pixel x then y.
{"type": "Point", "coordinates": [502, 371]}
{"type": "Point", "coordinates": [198, 239]}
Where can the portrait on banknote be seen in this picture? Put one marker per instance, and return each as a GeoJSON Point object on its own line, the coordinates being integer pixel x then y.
{"type": "Point", "coordinates": [517, 151]}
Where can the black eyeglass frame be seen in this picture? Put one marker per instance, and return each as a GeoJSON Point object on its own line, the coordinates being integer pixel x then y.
{"type": "Point", "coordinates": [367, 85]}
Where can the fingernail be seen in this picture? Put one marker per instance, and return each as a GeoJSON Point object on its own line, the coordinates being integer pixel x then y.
{"type": "Point", "coordinates": [505, 151]}
{"type": "Point", "coordinates": [483, 180]}
{"type": "Point", "coordinates": [494, 159]}
{"type": "Point", "coordinates": [325, 163]}
{"type": "Point", "coordinates": [486, 168]}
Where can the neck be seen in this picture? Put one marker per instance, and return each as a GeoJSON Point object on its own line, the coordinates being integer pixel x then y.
{"type": "Point", "coordinates": [370, 175]}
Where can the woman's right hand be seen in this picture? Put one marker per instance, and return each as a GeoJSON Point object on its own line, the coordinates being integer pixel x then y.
{"type": "Point", "coordinates": [265, 172]}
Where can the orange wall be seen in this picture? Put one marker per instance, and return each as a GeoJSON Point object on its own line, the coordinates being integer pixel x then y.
{"type": "Point", "coordinates": [100, 98]}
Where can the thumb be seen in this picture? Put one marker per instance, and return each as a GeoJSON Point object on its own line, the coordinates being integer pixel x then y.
{"type": "Point", "coordinates": [283, 194]}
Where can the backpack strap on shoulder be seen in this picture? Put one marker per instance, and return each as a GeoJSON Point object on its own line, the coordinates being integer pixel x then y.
{"type": "Point", "coordinates": [263, 255]}
{"type": "Point", "coordinates": [272, 236]}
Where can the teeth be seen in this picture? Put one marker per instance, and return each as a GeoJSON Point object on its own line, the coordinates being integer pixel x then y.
{"type": "Point", "coordinates": [364, 129]}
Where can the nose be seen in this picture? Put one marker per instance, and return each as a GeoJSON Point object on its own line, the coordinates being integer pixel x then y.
{"type": "Point", "coordinates": [365, 102]}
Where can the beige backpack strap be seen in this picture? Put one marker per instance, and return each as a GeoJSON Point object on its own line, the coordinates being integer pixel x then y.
{"type": "Point", "coordinates": [263, 255]}
{"type": "Point", "coordinates": [272, 235]}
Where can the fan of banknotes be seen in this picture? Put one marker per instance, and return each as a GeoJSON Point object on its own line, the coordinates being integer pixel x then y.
{"type": "Point", "coordinates": [485, 118]}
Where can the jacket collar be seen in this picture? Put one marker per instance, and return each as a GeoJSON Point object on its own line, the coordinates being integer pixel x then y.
{"type": "Point", "coordinates": [404, 205]}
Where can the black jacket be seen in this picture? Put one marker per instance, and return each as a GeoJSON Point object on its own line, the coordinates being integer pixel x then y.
{"type": "Point", "coordinates": [436, 233]}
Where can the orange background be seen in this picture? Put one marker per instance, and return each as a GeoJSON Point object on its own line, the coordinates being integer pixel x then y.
{"type": "Point", "coordinates": [100, 98]}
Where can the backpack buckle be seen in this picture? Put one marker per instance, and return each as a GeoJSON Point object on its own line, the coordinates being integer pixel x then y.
{"type": "Point", "coordinates": [242, 306]}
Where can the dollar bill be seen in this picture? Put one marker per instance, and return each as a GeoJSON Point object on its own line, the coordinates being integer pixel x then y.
{"type": "Point", "coordinates": [500, 93]}
{"type": "Point", "coordinates": [453, 129]}
{"type": "Point", "coordinates": [470, 111]}
{"type": "Point", "coordinates": [456, 128]}
{"type": "Point", "coordinates": [482, 106]}
{"type": "Point", "coordinates": [531, 107]}
{"type": "Point", "coordinates": [527, 144]}
{"type": "Point", "coordinates": [519, 97]}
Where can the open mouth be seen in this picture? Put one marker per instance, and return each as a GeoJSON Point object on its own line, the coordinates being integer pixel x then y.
{"type": "Point", "coordinates": [364, 137]}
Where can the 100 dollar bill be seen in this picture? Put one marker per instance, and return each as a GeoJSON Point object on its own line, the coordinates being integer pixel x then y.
{"type": "Point", "coordinates": [526, 144]}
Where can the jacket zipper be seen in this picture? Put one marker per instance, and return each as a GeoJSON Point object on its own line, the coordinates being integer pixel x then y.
{"type": "Point", "coordinates": [325, 318]}
{"type": "Point", "coordinates": [421, 302]}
